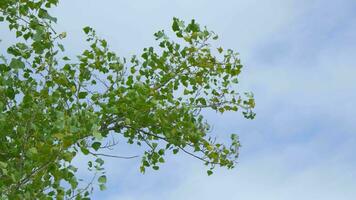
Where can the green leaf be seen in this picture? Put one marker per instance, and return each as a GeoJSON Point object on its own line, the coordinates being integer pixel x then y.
{"type": "Point", "coordinates": [65, 58]}
{"type": "Point", "coordinates": [102, 187]}
{"type": "Point", "coordinates": [175, 26]}
{"type": "Point", "coordinates": [61, 47]}
{"type": "Point", "coordinates": [87, 29]}
{"type": "Point", "coordinates": [96, 145]}
{"type": "Point", "coordinates": [82, 95]}
{"type": "Point", "coordinates": [129, 80]}
{"type": "Point", "coordinates": [99, 161]}
{"type": "Point", "coordinates": [84, 150]}
{"type": "Point", "coordinates": [161, 152]}
{"type": "Point", "coordinates": [102, 179]}
{"type": "Point", "coordinates": [175, 151]}
{"type": "Point", "coordinates": [17, 64]}
{"type": "Point", "coordinates": [209, 172]}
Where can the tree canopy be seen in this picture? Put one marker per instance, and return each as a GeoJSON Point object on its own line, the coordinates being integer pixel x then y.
{"type": "Point", "coordinates": [54, 106]}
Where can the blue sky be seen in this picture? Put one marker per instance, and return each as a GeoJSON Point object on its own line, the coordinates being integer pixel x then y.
{"type": "Point", "coordinates": [299, 60]}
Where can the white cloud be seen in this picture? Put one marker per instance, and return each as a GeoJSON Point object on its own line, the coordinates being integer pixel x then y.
{"type": "Point", "coordinates": [298, 171]}
{"type": "Point", "coordinates": [267, 177]}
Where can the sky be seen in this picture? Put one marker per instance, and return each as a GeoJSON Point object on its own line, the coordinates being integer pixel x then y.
{"type": "Point", "coordinates": [299, 61]}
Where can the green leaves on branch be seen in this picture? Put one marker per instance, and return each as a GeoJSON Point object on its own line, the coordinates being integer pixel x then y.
{"type": "Point", "coordinates": [51, 110]}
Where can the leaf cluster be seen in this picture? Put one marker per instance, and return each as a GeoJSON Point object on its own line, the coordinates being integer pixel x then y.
{"type": "Point", "coordinates": [54, 107]}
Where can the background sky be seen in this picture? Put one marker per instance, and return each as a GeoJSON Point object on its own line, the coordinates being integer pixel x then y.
{"type": "Point", "coordinates": [299, 59]}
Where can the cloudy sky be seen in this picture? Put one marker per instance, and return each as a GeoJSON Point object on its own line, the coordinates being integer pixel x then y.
{"type": "Point", "coordinates": [299, 60]}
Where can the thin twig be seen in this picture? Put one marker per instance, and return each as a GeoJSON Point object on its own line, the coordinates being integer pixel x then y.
{"type": "Point", "coordinates": [113, 156]}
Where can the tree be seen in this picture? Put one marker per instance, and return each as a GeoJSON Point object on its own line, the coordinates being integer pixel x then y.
{"type": "Point", "coordinates": [54, 107]}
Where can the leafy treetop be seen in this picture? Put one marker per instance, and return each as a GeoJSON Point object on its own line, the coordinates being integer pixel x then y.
{"type": "Point", "coordinates": [54, 107]}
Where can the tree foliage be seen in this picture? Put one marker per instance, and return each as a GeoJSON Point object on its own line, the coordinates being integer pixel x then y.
{"type": "Point", "coordinates": [54, 107]}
